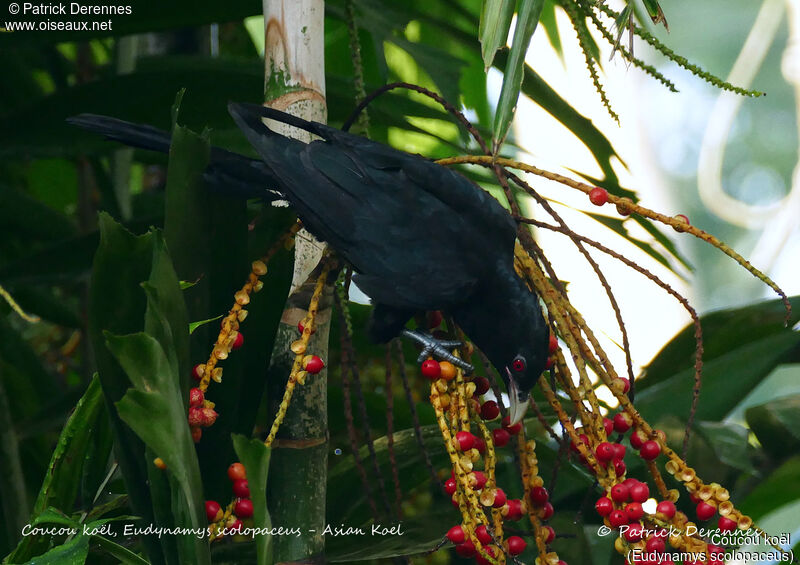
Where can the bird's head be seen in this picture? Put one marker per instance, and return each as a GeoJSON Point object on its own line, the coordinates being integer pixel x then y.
{"type": "Point", "coordinates": [520, 375]}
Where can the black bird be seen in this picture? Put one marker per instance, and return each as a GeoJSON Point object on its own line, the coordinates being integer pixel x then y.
{"type": "Point", "coordinates": [419, 236]}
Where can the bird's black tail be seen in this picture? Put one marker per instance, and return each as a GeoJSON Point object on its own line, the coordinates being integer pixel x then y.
{"type": "Point", "coordinates": [135, 135]}
{"type": "Point", "coordinates": [227, 172]}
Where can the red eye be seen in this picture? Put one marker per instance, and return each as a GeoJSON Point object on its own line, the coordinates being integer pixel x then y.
{"type": "Point", "coordinates": [518, 364]}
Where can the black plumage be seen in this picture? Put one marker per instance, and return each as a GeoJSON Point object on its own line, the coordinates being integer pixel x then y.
{"type": "Point", "coordinates": [419, 236]}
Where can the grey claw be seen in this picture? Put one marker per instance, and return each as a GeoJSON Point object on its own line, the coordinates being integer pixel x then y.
{"type": "Point", "coordinates": [438, 349]}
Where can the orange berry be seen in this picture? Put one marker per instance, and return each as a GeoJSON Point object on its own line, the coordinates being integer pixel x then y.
{"type": "Point", "coordinates": [236, 472]}
{"type": "Point", "coordinates": [448, 370]}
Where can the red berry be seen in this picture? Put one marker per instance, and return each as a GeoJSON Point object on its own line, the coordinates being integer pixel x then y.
{"type": "Point", "coordinates": [454, 501]}
{"type": "Point", "coordinates": [481, 560]}
{"type": "Point", "coordinates": [456, 535]}
{"type": "Point", "coordinates": [236, 471]}
{"type": "Point", "coordinates": [584, 440]}
{"type": "Point", "coordinates": [604, 452]}
{"type": "Point", "coordinates": [431, 369]}
{"type": "Point", "coordinates": [241, 489]}
{"type": "Point", "coordinates": [516, 545]}
{"type": "Point", "coordinates": [513, 430]}
{"type": "Point", "coordinates": [196, 418]}
{"type": "Point", "coordinates": [650, 450]}
{"type": "Point", "coordinates": [598, 196]}
{"type": "Point", "coordinates": [209, 416]}
{"type": "Point", "coordinates": [547, 511]}
{"type": "Point", "coordinates": [213, 511]}
{"type": "Point", "coordinates": [466, 549]}
{"type": "Point", "coordinates": [553, 346]}
{"type": "Point", "coordinates": [622, 422]}
{"type": "Point", "coordinates": [314, 364]}
{"type": "Point", "coordinates": [617, 518]}
{"type": "Point", "coordinates": [238, 341]}
{"type": "Point", "coordinates": [481, 385]}
{"type": "Point", "coordinates": [626, 384]}
{"type": "Point", "coordinates": [550, 534]}
{"type": "Point", "coordinates": [243, 508]}
{"type": "Point", "coordinates": [725, 524]}
{"type": "Point", "coordinates": [619, 451]}
{"type": "Point", "coordinates": [638, 438]}
{"type": "Point", "coordinates": [196, 397]}
{"type": "Point", "coordinates": [604, 506]}
{"type": "Point", "coordinates": [667, 508]}
{"type": "Point", "coordinates": [655, 544]}
{"type": "Point", "coordinates": [705, 511]}
{"type": "Point", "coordinates": [480, 480]}
{"type": "Point", "coordinates": [197, 433]}
{"type": "Point", "coordinates": [301, 328]}
{"type": "Point", "coordinates": [490, 410]}
{"type": "Point", "coordinates": [499, 498]}
{"type": "Point", "coordinates": [634, 511]}
{"type": "Point", "coordinates": [608, 426]}
{"type": "Point", "coordinates": [236, 527]}
{"type": "Point", "coordinates": [620, 493]}
{"type": "Point", "coordinates": [197, 370]}
{"type": "Point", "coordinates": [514, 510]}
{"type": "Point", "coordinates": [619, 467]}
{"type": "Point", "coordinates": [640, 492]}
{"type": "Point", "coordinates": [501, 437]}
{"type": "Point", "coordinates": [450, 486]}
{"type": "Point", "coordinates": [682, 218]}
{"type": "Point", "coordinates": [539, 496]}
{"type": "Point", "coordinates": [483, 535]}
{"type": "Point", "coordinates": [480, 445]}
{"type": "Point", "coordinates": [635, 532]}
{"type": "Point", "coordinates": [434, 319]}
{"type": "Point", "coordinates": [465, 441]}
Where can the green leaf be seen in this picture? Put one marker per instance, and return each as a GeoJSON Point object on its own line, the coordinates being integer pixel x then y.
{"type": "Point", "coordinates": [117, 304]}
{"type": "Point", "coordinates": [125, 555]}
{"type": "Point", "coordinates": [780, 487]}
{"type": "Point", "coordinates": [729, 442]}
{"type": "Point", "coordinates": [495, 23]}
{"type": "Point", "coordinates": [74, 552]}
{"type": "Point", "coordinates": [254, 455]}
{"type": "Point", "coordinates": [154, 409]}
{"type": "Point", "coordinates": [723, 331]}
{"type": "Point", "coordinates": [55, 516]}
{"type": "Point", "coordinates": [527, 19]}
{"type": "Point", "coordinates": [194, 325]}
{"type": "Point", "coordinates": [726, 379]}
{"type": "Point", "coordinates": [776, 424]}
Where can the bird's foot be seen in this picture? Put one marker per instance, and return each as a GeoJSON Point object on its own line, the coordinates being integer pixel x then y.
{"type": "Point", "coordinates": [440, 349]}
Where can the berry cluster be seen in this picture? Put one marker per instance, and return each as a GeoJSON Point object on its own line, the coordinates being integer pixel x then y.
{"type": "Point", "coordinates": [484, 506]}
{"type": "Point", "coordinates": [201, 413]}
{"type": "Point", "coordinates": [240, 510]}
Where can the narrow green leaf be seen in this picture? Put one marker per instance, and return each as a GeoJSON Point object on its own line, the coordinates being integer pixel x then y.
{"type": "Point", "coordinates": [125, 555]}
{"type": "Point", "coordinates": [65, 471]}
{"type": "Point", "coordinates": [254, 455]}
{"type": "Point", "coordinates": [194, 325]}
{"type": "Point", "coordinates": [777, 425]}
{"type": "Point", "coordinates": [154, 409]}
{"type": "Point", "coordinates": [74, 552]}
{"type": "Point", "coordinates": [527, 19]}
{"type": "Point", "coordinates": [495, 22]}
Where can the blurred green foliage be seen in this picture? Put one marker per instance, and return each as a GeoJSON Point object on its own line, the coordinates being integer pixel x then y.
{"type": "Point", "coordinates": [83, 277]}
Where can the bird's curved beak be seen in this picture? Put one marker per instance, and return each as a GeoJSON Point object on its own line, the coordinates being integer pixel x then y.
{"type": "Point", "coordinates": [518, 401]}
